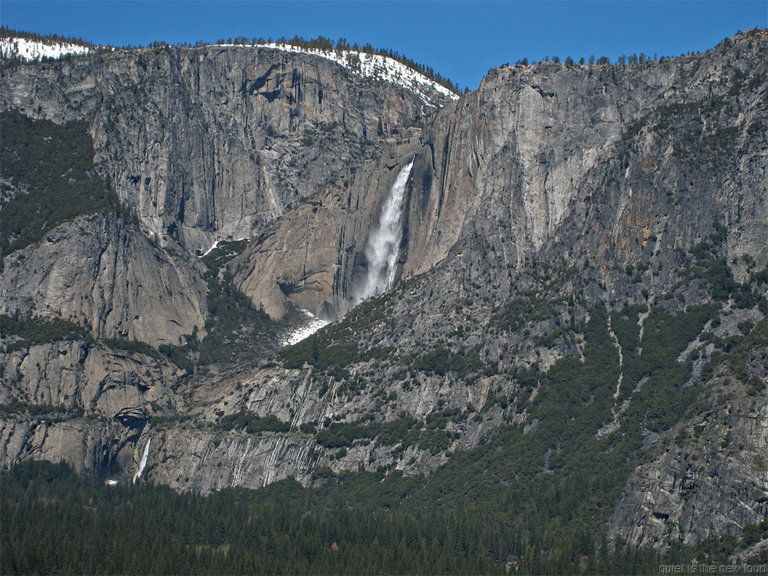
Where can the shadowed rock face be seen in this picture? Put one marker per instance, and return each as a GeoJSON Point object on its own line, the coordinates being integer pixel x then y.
{"type": "Point", "coordinates": [583, 187]}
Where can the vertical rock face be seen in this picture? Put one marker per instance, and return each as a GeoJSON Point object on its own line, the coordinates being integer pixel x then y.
{"type": "Point", "coordinates": [90, 448]}
{"type": "Point", "coordinates": [517, 159]}
{"type": "Point", "coordinates": [100, 272]}
{"type": "Point", "coordinates": [216, 142]}
{"type": "Point", "coordinates": [72, 374]}
{"type": "Point", "coordinates": [550, 197]}
{"type": "Point", "coordinates": [523, 153]}
{"type": "Point", "coordinates": [314, 257]}
{"type": "Point", "coordinates": [93, 403]}
{"type": "Point", "coordinates": [519, 147]}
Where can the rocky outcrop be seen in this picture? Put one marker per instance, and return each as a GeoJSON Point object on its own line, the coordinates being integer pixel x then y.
{"type": "Point", "coordinates": [75, 375]}
{"type": "Point", "coordinates": [81, 403]}
{"type": "Point", "coordinates": [100, 272]}
{"type": "Point", "coordinates": [710, 479]}
{"type": "Point", "coordinates": [210, 462]}
{"type": "Point", "coordinates": [201, 454]}
{"type": "Point", "coordinates": [90, 447]}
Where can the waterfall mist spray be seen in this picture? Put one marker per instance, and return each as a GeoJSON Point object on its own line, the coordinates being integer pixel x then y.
{"type": "Point", "coordinates": [384, 241]}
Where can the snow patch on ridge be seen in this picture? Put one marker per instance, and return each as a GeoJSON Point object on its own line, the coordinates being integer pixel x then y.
{"type": "Point", "coordinates": [359, 63]}
{"type": "Point", "coordinates": [374, 66]}
{"type": "Point", "coordinates": [30, 50]}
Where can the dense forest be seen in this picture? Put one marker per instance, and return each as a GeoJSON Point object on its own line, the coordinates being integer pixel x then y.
{"type": "Point", "coordinates": [55, 522]}
{"type": "Point", "coordinates": [48, 178]}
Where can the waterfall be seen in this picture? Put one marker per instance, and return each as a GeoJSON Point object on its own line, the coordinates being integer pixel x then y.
{"type": "Point", "coordinates": [312, 325]}
{"type": "Point", "coordinates": [384, 241]}
{"type": "Point", "coordinates": [143, 463]}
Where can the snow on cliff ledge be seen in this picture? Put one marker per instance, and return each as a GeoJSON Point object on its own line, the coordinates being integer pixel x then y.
{"type": "Point", "coordinates": [360, 63]}
{"type": "Point", "coordinates": [379, 67]}
{"type": "Point", "coordinates": [29, 50]}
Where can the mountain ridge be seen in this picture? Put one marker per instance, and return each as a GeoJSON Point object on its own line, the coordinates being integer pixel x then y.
{"type": "Point", "coordinates": [24, 47]}
{"type": "Point", "coordinates": [582, 277]}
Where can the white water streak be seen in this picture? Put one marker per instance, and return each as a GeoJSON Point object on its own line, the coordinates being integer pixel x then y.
{"type": "Point", "coordinates": [143, 463]}
{"type": "Point", "coordinates": [305, 331]}
{"type": "Point", "coordinates": [384, 242]}
{"type": "Point", "coordinates": [211, 249]}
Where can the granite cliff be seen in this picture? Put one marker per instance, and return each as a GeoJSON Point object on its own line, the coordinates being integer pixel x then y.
{"type": "Point", "coordinates": [581, 275]}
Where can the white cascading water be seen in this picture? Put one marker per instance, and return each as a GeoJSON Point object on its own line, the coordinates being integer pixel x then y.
{"type": "Point", "coordinates": [143, 463]}
{"type": "Point", "coordinates": [384, 241]}
{"type": "Point", "coordinates": [306, 330]}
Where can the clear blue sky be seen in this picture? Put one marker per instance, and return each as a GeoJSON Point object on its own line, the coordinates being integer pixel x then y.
{"type": "Point", "coordinates": [460, 39]}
